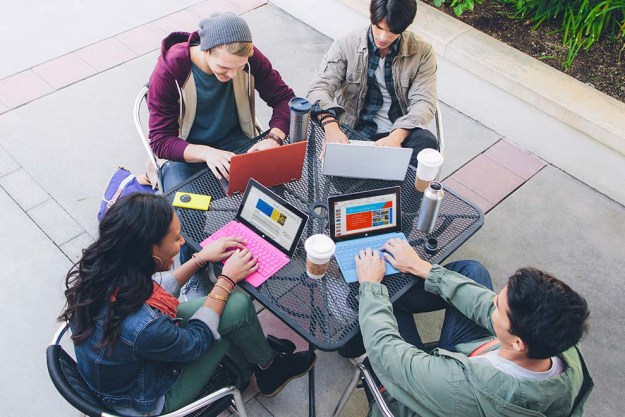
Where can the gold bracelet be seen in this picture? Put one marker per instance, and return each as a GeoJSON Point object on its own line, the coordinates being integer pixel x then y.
{"type": "Point", "coordinates": [221, 286]}
{"type": "Point", "coordinates": [218, 297]}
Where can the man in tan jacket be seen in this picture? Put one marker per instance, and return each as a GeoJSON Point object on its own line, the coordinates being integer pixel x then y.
{"type": "Point", "coordinates": [380, 81]}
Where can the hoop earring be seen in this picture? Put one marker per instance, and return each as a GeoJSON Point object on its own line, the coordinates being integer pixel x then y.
{"type": "Point", "coordinates": [160, 261]}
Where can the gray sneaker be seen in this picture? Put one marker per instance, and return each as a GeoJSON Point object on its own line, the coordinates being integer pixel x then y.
{"type": "Point", "coordinates": [198, 286]}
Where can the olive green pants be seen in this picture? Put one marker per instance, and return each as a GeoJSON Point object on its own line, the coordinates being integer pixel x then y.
{"type": "Point", "coordinates": [242, 338]}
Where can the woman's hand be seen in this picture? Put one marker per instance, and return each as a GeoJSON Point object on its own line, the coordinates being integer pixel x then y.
{"type": "Point", "coordinates": [220, 249]}
{"type": "Point", "coordinates": [369, 266]}
{"type": "Point", "coordinates": [240, 264]}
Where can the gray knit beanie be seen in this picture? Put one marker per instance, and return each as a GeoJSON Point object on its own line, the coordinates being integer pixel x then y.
{"type": "Point", "coordinates": [221, 29]}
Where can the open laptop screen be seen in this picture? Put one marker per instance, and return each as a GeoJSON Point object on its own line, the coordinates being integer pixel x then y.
{"type": "Point", "coordinates": [271, 217]}
{"type": "Point", "coordinates": [365, 214]}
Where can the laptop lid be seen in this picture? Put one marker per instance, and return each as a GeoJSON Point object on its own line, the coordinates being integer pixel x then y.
{"type": "Point", "coordinates": [269, 167]}
{"type": "Point", "coordinates": [271, 217]}
{"type": "Point", "coordinates": [364, 214]}
{"type": "Point", "coordinates": [361, 161]}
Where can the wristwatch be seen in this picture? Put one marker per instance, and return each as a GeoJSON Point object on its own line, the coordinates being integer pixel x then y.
{"type": "Point", "coordinates": [275, 137]}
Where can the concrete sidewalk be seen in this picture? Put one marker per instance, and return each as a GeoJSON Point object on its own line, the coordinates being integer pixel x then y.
{"type": "Point", "coordinates": [58, 151]}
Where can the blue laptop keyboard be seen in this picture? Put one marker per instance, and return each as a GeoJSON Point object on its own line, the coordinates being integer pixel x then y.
{"type": "Point", "coordinates": [347, 250]}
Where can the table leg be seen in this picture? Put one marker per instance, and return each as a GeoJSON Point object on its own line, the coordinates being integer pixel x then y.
{"type": "Point", "coordinates": [311, 388]}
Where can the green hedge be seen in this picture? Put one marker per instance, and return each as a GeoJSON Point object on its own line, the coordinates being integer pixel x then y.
{"type": "Point", "coordinates": [582, 22]}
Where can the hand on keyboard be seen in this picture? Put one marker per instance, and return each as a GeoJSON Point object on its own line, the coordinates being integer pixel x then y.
{"type": "Point", "coordinates": [220, 249]}
{"type": "Point", "coordinates": [240, 265]}
{"type": "Point", "coordinates": [370, 266]}
{"type": "Point", "coordinates": [405, 259]}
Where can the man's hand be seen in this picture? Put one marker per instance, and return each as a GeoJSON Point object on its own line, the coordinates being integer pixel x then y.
{"type": "Point", "coordinates": [394, 139]}
{"type": "Point", "coordinates": [220, 249]}
{"type": "Point", "coordinates": [218, 161]}
{"type": "Point", "coordinates": [333, 134]}
{"type": "Point", "coordinates": [405, 259]}
{"type": "Point", "coordinates": [389, 141]}
{"type": "Point", "coordinates": [263, 144]}
{"type": "Point", "coordinates": [369, 266]}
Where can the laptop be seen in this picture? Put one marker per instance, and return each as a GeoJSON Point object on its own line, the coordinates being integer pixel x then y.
{"type": "Point", "coordinates": [271, 227]}
{"type": "Point", "coordinates": [364, 220]}
{"type": "Point", "coordinates": [270, 167]}
{"type": "Point", "coordinates": [360, 159]}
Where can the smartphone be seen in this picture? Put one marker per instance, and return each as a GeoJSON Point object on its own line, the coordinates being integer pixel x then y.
{"type": "Point", "coordinates": [191, 201]}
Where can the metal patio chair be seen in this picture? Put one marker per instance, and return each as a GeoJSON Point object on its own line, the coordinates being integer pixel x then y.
{"type": "Point", "coordinates": [222, 392]}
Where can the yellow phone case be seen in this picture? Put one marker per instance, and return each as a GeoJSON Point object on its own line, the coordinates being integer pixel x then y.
{"type": "Point", "coordinates": [191, 201]}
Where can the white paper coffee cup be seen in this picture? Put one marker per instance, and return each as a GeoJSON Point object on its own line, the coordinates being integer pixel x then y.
{"type": "Point", "coordinates": [319, 251]}
{"type": "Point", "coordinates": [429, 162]}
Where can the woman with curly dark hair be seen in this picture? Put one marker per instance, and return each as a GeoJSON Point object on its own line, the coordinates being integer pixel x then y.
{"type": "Point", "coordinates": [139, 350]}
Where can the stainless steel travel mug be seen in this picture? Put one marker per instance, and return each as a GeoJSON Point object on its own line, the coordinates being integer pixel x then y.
{"type": "Point", "coordinates": [430, 205]}
{"type": "Point", "coordinates": [300, 117]}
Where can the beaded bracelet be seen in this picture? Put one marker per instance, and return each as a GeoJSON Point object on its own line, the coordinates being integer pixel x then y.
{"type": "Point", "coordinates": [227, 278]}
{"type": "Point", "coordinates": [221, 286]}
{"type": "Point", "coordinates": [218, 297]}
{"type": "Point", "coordinates": [324, 116]}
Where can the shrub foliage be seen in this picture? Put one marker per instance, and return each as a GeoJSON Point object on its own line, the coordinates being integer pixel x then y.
{"type": "Point", "coordinates": [582, 22]}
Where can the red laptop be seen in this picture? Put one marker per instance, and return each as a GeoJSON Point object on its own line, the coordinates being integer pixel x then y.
{"type": "Point", "coordinates": [269, 167]}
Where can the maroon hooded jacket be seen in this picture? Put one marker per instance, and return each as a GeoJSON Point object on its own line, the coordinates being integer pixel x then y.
{"type": "Point", "coordinates": [172, 71]}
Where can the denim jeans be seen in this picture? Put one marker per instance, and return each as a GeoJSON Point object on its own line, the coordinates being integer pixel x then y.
{"type": "Point", "coordinates": [456, 329]}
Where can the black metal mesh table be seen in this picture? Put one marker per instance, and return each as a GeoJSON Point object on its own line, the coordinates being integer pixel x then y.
{"type": "Point", "coordinates": [325, 312]}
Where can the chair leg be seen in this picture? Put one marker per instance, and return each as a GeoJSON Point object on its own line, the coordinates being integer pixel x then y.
{"type": "Point", "coordinates": [347, 393]}
{"type": "Point", "coordinates": [238, 401]}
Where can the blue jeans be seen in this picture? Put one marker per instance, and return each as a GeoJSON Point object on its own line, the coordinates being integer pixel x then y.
{"type": "Point", "coordinates": [457, 328]}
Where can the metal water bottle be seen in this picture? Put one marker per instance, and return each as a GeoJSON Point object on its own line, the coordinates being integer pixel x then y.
{"type": "Point", "coordinates": [300, 116]}
{"type": "Point", "coordinates": [430, 205]}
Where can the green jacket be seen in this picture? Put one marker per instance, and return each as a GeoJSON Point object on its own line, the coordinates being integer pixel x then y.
{"type": "Point", "coordinates": [447, 384]}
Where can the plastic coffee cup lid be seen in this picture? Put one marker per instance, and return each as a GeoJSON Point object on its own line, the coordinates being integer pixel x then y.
{"type": "Point", "coordinates": [430, 157]}
{"type": "Point", "coordinates": [320, 246]}
{"type": "Point", "coordinates": [299, 105]}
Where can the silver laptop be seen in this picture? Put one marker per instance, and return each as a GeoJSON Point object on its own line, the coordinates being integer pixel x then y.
{"type": "Point", "coordinates": [360, 159]}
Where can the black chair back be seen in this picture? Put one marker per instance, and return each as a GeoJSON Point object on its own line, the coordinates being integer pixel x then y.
{"type": "Point", "coordinates": [70, 384]}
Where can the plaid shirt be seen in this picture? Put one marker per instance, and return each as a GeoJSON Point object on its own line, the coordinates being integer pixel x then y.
{"type": "Point", "coordinates": [374, 99]}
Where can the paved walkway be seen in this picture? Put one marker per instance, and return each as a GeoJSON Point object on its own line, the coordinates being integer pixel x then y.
{"type": "Point", "coordinates": [66, 124]}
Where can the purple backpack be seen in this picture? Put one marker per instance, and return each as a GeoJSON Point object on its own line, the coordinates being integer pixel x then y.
{"type": "Point", "coordinates": [122, 183]}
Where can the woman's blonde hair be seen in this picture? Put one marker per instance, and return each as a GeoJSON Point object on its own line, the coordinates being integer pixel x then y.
{"type": "Point", "coordinates": [245, 49]}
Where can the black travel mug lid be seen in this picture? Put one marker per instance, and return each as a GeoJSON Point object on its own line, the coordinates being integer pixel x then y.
{"type": "Point", "coordinates": [299, 105]}
{"type": "Point", "coordinates": [431, 246]}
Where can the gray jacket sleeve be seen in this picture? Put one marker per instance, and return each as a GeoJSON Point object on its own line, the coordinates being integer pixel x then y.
{"type": "Point", "coordinates": [422, 95]}
{"type": "Point", "coordinates": [328, 79]}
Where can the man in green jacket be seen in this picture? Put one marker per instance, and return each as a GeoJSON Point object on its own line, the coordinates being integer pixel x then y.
{"type": "Point", "coordinates": [529, 366]}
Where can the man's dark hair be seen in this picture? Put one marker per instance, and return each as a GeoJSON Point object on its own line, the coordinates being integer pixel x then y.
{"type": "Point", "coordinates": [545, 313]}
{"type": "Point", "coordinates": [398, 14]}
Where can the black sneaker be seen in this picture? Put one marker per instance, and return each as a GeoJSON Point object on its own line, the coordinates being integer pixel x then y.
{"type": "Point", "coordinates": [283, 369]}
{"type": "Point", "coordinates": [281, 345]}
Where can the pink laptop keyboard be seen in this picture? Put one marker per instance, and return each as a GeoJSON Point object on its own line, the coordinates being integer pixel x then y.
{"type": "Point", "coordinates": [270, 259]}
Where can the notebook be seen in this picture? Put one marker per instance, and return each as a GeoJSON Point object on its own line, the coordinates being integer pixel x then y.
{"type": "Point", "coordinates": [269, 167]}
{"type": "Point", "coordinates": [271, 227]}
{"type": "Point", "coordinates": [360, 159]}
{"type": "Point", "coordinates": [363, 220]}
